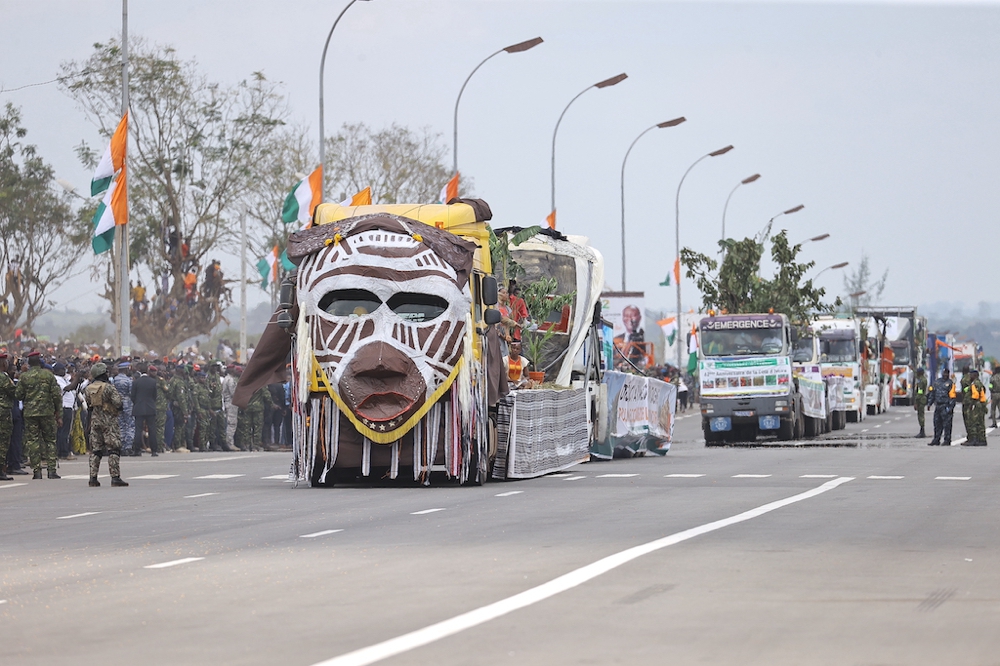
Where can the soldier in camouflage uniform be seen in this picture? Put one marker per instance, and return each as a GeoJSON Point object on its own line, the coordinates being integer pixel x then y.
{"type": "Point", "coordinates": [126, 422]}
{"type": "Point", "coordinates": [191, 420]}
{"type": "Point", "coordinates": [231, 411]}
{"type": "Point", "coordinates": [214, 385]}
{"type": "Point", "coordinates": [976, 421]}
{"type": "Point", "coordinates": [966, 397]}
{"type": "Point", "coordinates": [6, 418]}
{"type": "Point", "coordinates": [42, 399]}
{"type": "Point", "coordinates": [920, 398]}
{"type": "Point", "coordinates": [162, 405]}
{"type": "Point", "coordinates": [180, 405]}
{"type": "Point", "coordinates": [249, 427]}
{"type": "Point", "coordinates": [203, 410]}
{"type": "Point", "coordinates": [105, 405]}
{"type": "Point", "coordinates": [994, 396]}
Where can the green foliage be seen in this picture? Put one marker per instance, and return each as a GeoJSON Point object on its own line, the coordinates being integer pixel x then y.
{"type": "Point", "coordinates": [540, 300]}
{"type": "Point", "coordinates": [534, 346]}
{"type": "Point", "coordinates": [736, 285]}
{"type": "Point", "coordinates": [505, 268]}
{"type": "Point", "coordinates": [861, 280]}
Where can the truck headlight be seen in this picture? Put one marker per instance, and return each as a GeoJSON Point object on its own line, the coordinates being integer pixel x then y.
{"type": "Point", "coordinates": [707, 409]}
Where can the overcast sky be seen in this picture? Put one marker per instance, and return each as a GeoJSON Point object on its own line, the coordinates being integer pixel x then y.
{"type": "Point", "coordinates": [881, 118]}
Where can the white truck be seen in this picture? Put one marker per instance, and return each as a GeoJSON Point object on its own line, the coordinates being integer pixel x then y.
{"type": "Point", "coordinates": [823, 401]}
{"type": "Point", "coordinates": [745, 374]}
{"type": "Point", "coordinates": [906, 337]}
{"type": "Point", "coordinates": [840, 356]}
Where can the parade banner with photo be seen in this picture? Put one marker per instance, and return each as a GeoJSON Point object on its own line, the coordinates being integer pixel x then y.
{"type": "Point", "coordinates": [813, 397]}
{"type": "Point", "coordinates": [838, 388]}
{"type": "Point", "coordinates": [626, 312]}
{"type": "Point", "coordinates": [769, 375]}
{"type": "Point", "coordinates": [640, 414]}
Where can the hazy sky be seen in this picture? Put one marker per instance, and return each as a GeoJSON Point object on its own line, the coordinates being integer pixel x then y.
{"type": "Point", "coordinates": [880, 117]}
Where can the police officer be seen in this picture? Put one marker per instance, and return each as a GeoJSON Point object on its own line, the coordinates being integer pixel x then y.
{"type": "Point", "coordinates": [920, 398]}
{"type": "Point", "coordinates": [976, 421]}
{"type": "Point", "coordinates": [994, 396]}
{"type": "Point", "coordinates": [42, 398]}
{"type": "Point", "coordinates": [942, 396]}
{"type": "Point", "coordinates": [6, 418]}
{"type": "Point", "coordinates": [105, 404]}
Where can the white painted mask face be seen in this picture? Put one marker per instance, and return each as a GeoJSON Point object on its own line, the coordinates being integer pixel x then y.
{"type": "Point", "coordinates": [387, 323]}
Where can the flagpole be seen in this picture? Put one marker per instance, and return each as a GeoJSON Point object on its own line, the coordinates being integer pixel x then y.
{"type": "Point", "coordinates": [243, 289]}
{"type": "Point", "coordinates": [124, 314]}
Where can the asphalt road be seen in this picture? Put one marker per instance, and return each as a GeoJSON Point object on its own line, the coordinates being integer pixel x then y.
{"type": "Point", "coordinates": [862, 547]}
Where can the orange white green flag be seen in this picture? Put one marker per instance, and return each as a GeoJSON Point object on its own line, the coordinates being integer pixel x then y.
{"type": "Point", "coordinates": [674, 275]}
{"type": "Point", "coordinates": [362, 198]}
{"type": "Point", "coordinates": [112, 212]}
{"type": "Point", "coordinates": [112, 160]}
{"type": "Point", "coordinates": [301, 202]}
{"type": "Point", "coordinates": [268, 267]}
{"type": "Point", "coordinates": [669, 328]}
{"type": "Point", "coordinates": [449, 191]}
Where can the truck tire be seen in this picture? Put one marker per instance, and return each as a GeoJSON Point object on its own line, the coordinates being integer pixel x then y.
{"type": "Point", "coordinates": [786, 431]}
{"type": "Point", "coordinates": [711, 438]}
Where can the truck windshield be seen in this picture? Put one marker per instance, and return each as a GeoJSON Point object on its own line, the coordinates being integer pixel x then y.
{"type": "Point", "coordinates": [764, 342]}
{"type": "Point", "coordinates": [837, 351]}
{"type": "Point", "coordinates": [901, 355]}
{"type": "Point", "coordinates": [802, 350]}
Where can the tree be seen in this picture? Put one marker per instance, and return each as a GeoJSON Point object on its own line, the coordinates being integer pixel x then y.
{"type": "Point", "coordinates": [736, 285]}
{"type": "Point", "coordinates": [40, 235]}
{"type": "Point", "coordinates": [860, 280]}
{"type": "Point", "coordinates": [197, 150]}
{"type": "Point", "coordinates": [399, 164]}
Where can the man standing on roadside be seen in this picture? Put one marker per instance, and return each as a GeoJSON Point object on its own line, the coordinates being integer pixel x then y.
{"type": "Point", "coordinates": [38, 390]}
{"type": "Point", "coordinates": [920, 399]}
{"type": "Point", "coordinates": [231, 411]}
{"type": "Point", "coordinates": [994, 396]}
{"type": "Point", "coordinates": [976, 421]}
{"type": "Point", "coordinates": [942, 396]}
{"type": "Point", "coordinates": [105, 405]}
{"type": "Point", "coordinates": [180, 406]}
{"type": "Point", "coordinates": [6, 418]}
{"type": "Point", "coordinates": [144, 399]}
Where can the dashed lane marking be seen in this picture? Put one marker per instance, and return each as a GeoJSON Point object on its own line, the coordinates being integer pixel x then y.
{"type": "Point", "coordinates": [879, 425]}
{"type": "Point", "coordinates": [172, 563]}
{"type": "Point", "coordinates": [154, 476]}
{"type": "Point", "coordinates": [750, 476]}
{"type": "Point", "coordinates": [319, 534]}
{"type": "Point", "coordinates": [864, 430]}
{"type": "Point", "coordinates": [219, 476]}
{"type": "Point", "coordinates": [886, 478]}
{"type": "Point", "coordinates": [818, 476]}
{"type": "Point", "coordinates": [425, 511]}
{"type": "Point", "coordinates": [574, 478]}
{"type": "Point", "coordinates": [78, 477]}
{"type": "Point", "coordinates": [615, 476]}
{"type": "Point", "coordinates": [560, 475]}
{"type": "Point", "coordinates": [79, 515]}
{"type": "Point", "coordinates": [12, 485]}
{"type": "Point", "coordinates": [568, 581]}
{"type": "Point", "coordinates": [952, 478]}
{"type": "Point", "coordinates": [683, 476]}
{"type": "Point", "coordinates": [509, 493]}
{"type": "Point", "coordinates": [275, 477]}
{"type": "Point", "coordinates": [199, 495]}
{"type": "Point", "coordinates": [3, 601]}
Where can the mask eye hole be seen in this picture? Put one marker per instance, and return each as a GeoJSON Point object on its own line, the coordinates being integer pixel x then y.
{"type": "Point", "coordinates": [417, 307]}
{"type": "Point", "coordinates": [347, 302]}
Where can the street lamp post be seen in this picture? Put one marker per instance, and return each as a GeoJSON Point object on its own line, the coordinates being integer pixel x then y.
{"type": "Point", "coordinates": [745, 181]}
{"type": "Point", "coordinates": [766, 231]}
{"type": "Point", "coordinates": [514, 48]}
{"type": "Point", "coordinates": [834, 267]}
{"type": "Point", "coordinates": [668, 123]}
{"type": "Point", "coordinates": [677, 236]}
{"type": "Point", "coordinates": [322, 69]}
{"type": "Point", "coordinates": [606, 83]}
{"type": "Point", "coordinates": [815, 239]}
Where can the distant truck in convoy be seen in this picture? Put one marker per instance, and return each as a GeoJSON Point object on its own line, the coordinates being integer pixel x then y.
{"type": "Point", "coordinates": [745, 374]}
{"type": "Point", "coordinates": [823, 402]}
{"type": "Point", "coordinates": [840, 356]}
{"type": "Point", "coordinates": [906, 336]}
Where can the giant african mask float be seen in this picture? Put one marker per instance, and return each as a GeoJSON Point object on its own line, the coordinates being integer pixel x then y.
{"type": "Point", "coordinates": [386, 304]}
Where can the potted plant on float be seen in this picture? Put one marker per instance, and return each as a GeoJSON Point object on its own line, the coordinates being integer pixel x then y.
{"type": "Point", "coordinates": [541, 301]}
{"type": "Point", "coordinates": [533, 347]}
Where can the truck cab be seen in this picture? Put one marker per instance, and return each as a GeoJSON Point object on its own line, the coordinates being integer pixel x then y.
{"type": "Point", "coordinates": [840, 355]}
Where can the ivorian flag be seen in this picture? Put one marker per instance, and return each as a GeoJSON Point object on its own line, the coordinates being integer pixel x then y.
{"type": "Point", "coordinates": [268, 267]}
{"type": "Point", "coordinates": [550, 220]}
{"type": "Point", "coordinates": [112, 160]}
{"type": "Point", "coordinates": [286, 263]}
{"type": "Point", "coordinates": [676, 275]}
{"type": "Point", "coordinates": [449, 191]}
{"type": "Point", "coordinates": [112, 212]}
{"type": "Point", "coordinates": [693, 350]}
{"type": "Point", "coordinates": [303, 199]}
{"type": "Point", "coordinates": [669, 328]}
{"type": "Point", "coordinates": [362, 198]}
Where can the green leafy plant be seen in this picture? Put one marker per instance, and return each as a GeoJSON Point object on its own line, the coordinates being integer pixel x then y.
{"type": "Point", "coordinates": [541, 301]}
{"type": "Point", "coordinates": [534, 345]}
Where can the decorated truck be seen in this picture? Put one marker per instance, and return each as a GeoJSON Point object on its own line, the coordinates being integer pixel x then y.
{"type": "Point", "coordinates": [840, 356]}
{"type": "Point", "coordinates": [876, 358]}
{"type": "Point", "coordinates": [823, 402]}
{"type": "Point", "coordinates": [906, 337]}
{"type": "Point", "coordinates": [388, 326]}
{"type": "Point", "coordinates": [745, 375]}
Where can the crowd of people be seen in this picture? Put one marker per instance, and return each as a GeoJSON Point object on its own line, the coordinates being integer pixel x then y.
{"type": "Point", "coordinates": [54, 407]}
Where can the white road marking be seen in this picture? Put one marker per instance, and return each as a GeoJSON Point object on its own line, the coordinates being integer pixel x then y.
{"type": "Point", "coordinates": [13, 485]}
{"type": "Point", "coordinates": [818, 476]}
{"type": "Point", "coordinates": [172, 563]}
{"type": "Point", "coordinates": [154, 476]}
{"type": "Point", "coordinates": [199, 495]}
{"type": "Point", "coordinates": [568, 581]}
{"type": "Point", "coordinates": [319, 534]}
{"type": "Point", "coordinates": [952, 478]}
{"type": "Point", "coordinates": [276, 477]}
{"type": "Point", "coordinates": [959, 442]}
{"type": "Point", "coordinates": [425, 511]}
{"type": "Point", "coordinates": [898, 418]}
{"type": "Point", "coordinates": [864, 430]}
{"type": "Point", "coordinates": [750, 476]}
{"type": "Point", "coordinates": [3, 601]}
{"type": "Point", "coordinates": [683, 476]}
{"type": "Point", "coordinates": [559, 475]}
{"type": "Point", "coordinates": [79, 515]}
{"type": "Point", "coordinates": [509, 493]}
{"type": "Point", "coordinates": [574, 478]}
{"type": "Point", "coordinates": [885, 478]}
{"type": "Point", "coordinates": [879, 425]}
{"type": "Point", "coordinates": [615, 476]}
{"type": "Point", "coordinates": [77, 477]}
{"type": "Point", "coordinates": [226, 458]}
{"type": "Point", "coordinates": [219, 476]}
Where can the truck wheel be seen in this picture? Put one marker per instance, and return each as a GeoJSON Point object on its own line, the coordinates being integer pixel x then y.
{"type": "Point", "coordinates": [813, 426]}
{"type": "Point", "coordinates": [786, 431]}
{"type": "Point", "coordinates": [711, 438]}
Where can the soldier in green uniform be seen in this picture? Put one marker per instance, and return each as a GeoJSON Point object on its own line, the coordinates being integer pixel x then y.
{"type": "Point", "coordinates": [966, 397]}
{"type": "Point", "coordinates": [977, 411]}
{"type": "Point", "coordinates": [203, 408]}
{"type": "Point", "coordinates": [994, 396]}
{"type": "Point", "coordinates": [214, 385]}
{"type": "Point", "coordinates": [180, 405]}
{"type": "Point", "coordinates": [42, 399]}
{"type": "Point", "coordinates": [920, 398]}
{"type": "Point", "coordinates": [162, 404]}
{"type": "Point", "coordinates": [6, 420]}
{"type": "Point", "coordinates": [249, 427]}
{"type": "Point", "coordinates": [191, 422]}
{"type": "Point", "coordinates": [105, 404]}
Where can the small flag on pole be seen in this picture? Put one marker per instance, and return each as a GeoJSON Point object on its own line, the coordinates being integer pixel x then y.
{"type": "Point", "coordinates": [550, 220]}
{"type": "Point", "coordinates": [676, 275]}
{"type": "Point", "coordinates": [301, 202]}
{"type": "Point", "coordinates": [112, 160]}
{"type": "Point", "coordinates": [450, 191]}
{"type": "Point", "coordinates": [362, 198]}
{"type": "Point", "coordinates": [268, 267]}
{"type": "Point", "coordinates": [669, 327]}
{"type": "Point", "coordinates": [112, 211]}
{"type": "Point", "coordinates": [693, 350]}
